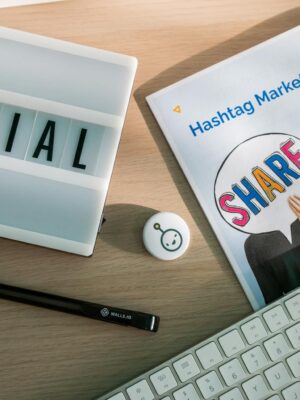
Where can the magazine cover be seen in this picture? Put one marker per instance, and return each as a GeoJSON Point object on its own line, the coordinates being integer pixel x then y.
{"type": "Point", "coordinates": [235, 130]}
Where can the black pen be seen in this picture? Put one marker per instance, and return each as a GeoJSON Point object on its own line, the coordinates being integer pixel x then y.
{"type": "Point", "coordinates": [99, 312]}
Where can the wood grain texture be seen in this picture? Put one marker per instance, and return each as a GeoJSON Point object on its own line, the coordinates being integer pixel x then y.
{"type": "Point", "coordinates": [47, 355]}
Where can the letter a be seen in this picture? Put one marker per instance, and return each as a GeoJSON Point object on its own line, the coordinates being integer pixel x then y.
{"type": "Point", "coordinates": [49, 130]}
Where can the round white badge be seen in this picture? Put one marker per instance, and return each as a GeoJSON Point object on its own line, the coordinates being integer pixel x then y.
{"type": "Point", "coordinates": [166, 236]}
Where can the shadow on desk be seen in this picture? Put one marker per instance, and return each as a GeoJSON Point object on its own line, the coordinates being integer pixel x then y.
{"type": "Point", "coordinates": [198, 62]}
{"type": "Point", "coordinates": [131, 216]}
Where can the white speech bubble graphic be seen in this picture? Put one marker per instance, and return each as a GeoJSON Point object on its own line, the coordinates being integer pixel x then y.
{"type": "Point", "coordinates": [262, 166]}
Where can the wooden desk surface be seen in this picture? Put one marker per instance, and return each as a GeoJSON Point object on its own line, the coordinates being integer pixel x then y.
{"type": "Point", "coordinates": [48, 355]}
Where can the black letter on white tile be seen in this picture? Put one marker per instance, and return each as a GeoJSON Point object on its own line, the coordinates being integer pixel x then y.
{"type": "Point", "coordinates": [12, 133]}
{"type": "Point", "coordinates": [49, 128]}
{"type": "Point", "coordinates": [76, 162]}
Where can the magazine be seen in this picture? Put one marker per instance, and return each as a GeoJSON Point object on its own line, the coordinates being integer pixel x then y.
{"type": "Point", "coordinates": [235, 130]}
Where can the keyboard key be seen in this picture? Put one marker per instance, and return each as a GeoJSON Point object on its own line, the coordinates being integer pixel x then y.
{"type": "Point", "coordinates": [232, 372]}
{"type": "Point", "coordinates": [209, 355]}
{"type": "Point", "coordinates": [186, 393]}
{"type": "Point", "coordinates": [140, 391]}
{"type": "Point", "coordinates": [293, 306]}
{"type": "Point", "coordinates": [254, 359]}
{"type": "Point", "coordinates": [186, 368]}
{"type": "Point", "coordinates": [292, 392]}
{"type": "Point", "coordinates": [233, 394]}
{"type": "Point", "coordinates": [163, 380]}
{"type": "Point", "coordinates": [118, 396]}
{"type": "Point", "coordinates": [256, 388]}
{"type": "Point", "coordinates": [209, 385]}
{"type": "Point", "coordinates": [277, 376]}
{"type": "Point", "coordinates": [275, 397]}
{"type": "Point", "coordinates": [277, 347]}
{"type": "Point", "coordinates": [294, 335]}
{"type": "Point", "coordinates": [231, 343]}
{"type": "Point", "coordinates": [276, 318]}
{"type": "Point", "coordinates": [294, 364]}
{"type": "Point", "coordinates": [254, 330]}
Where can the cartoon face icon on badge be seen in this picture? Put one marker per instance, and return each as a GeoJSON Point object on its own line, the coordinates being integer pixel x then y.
{"type": "Point", "coordinates": [171, 239]}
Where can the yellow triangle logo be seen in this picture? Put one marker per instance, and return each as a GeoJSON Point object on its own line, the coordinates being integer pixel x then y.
{"type": "Point", "coordinates": [177, 109]}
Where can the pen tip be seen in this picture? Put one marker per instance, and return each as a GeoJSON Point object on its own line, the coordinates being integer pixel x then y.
{"type": "Point", "coordinates": [154, 323]}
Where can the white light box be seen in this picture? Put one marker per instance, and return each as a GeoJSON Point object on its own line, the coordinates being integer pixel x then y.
{"type": "Point", "coordinates": [62, 108]}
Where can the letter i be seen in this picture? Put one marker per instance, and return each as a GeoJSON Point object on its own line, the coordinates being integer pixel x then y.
{"type": "Point", "coordinates": [12, 133]}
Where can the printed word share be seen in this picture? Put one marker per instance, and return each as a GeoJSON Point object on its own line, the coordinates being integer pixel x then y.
{"type": "Point", "coordinates": [254, 197]}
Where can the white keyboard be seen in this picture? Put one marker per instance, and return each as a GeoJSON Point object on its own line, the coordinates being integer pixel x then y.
{"type": "Point", "coordinates": [256, 359]}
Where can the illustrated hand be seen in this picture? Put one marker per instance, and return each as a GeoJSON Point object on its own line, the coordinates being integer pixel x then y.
{"type": "Point", "coordinates": [294, 203]}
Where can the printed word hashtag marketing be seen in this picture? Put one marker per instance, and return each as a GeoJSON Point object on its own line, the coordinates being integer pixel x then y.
{"type": "Point", "coordinates": [247, 108]}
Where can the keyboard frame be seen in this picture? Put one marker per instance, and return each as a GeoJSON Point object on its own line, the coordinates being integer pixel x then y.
{"type": "Point", "coordinates": [192, 350]}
